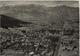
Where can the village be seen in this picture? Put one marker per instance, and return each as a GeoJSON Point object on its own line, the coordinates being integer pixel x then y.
{"type": "Point", "coordinates": [39, 42]}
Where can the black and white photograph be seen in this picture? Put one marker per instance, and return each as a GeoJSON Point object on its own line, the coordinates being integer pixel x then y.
{"type": "Point", "coordinates": [39, 28]}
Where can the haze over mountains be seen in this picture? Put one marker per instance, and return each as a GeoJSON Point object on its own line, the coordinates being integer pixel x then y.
{"type": "Point", "coordinates": [42, 14]}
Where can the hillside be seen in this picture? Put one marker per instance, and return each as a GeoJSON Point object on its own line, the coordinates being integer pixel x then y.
{"type": "Point", "coordinates": [42, 14]}
{"type": "Point", "coordinates": [7, 21]}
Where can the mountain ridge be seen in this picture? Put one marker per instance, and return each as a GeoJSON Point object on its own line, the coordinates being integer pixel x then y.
{"type": "Point", "coordinates": [42, 14]}
{"type": "Point", "coordinates": [7, 21]}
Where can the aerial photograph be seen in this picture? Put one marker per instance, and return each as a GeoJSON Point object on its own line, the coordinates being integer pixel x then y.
{"type": "Point", "coordinates": [39, 28]}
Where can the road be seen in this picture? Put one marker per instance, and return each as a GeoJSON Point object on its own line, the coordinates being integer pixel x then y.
{"type": "Point", "coordinates": [58, 47]}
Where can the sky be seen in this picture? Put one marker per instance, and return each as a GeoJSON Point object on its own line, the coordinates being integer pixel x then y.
{"type": "Point", "coordinates": [39, 0]}
{"type": "Point", "coordinates": [46, 3]}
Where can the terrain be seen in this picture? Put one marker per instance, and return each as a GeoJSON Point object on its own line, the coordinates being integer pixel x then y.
{"type": "Point", "coordinates": [43, 14]}
{"type": "Point", "coordinates": [7, 21]}
{"type": "Point", "coordinates": [51, 31]}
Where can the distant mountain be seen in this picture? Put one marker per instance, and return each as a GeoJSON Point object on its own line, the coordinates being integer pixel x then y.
{"type": "Point", "coordinates": [64, 13]}
{"type": "Point", "coordinates": [41, 14]}
{"type": "Point", "coordinates": [7, 21]}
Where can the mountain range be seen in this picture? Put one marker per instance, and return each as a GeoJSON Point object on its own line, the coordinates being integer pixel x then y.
{"type": "Point", "coordinates": [41, 14]}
